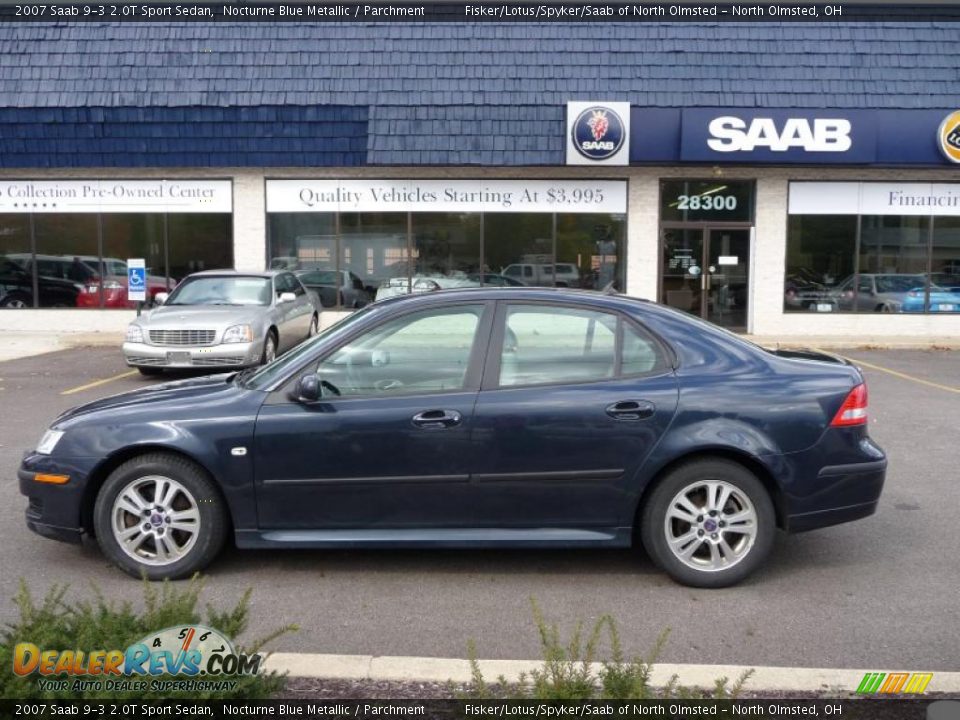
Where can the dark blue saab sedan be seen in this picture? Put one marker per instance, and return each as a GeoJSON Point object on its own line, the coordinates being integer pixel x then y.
{"type": "Point", "coordinates": [517, 417]}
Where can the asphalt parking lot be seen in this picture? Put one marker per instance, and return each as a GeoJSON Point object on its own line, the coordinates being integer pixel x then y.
{"type": "Point", "coordinates": [880, 593]}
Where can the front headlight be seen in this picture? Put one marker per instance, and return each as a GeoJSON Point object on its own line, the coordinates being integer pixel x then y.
{"type": "Point", "coordinates": [238, 334]}
{"type": "Point", "coordinates": [49, 441]}
{"type": "Point", "coordinates": [134, 333]}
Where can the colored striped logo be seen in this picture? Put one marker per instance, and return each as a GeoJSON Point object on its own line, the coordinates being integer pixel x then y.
{"type": "Point", "coordinates": [894, 683]}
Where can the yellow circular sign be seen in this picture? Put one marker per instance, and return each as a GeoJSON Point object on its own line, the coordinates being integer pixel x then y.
{"type": "Point", "coordinates": [948, 136]}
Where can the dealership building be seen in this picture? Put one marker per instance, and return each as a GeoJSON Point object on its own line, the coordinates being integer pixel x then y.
{"type": "Point", "coordinates": [780, 179]}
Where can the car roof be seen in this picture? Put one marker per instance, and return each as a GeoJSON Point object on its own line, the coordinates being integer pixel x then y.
{"type": "Point", "coordinates": [570, 295]}
{"type": "Point", "coordinates": [237, 273]}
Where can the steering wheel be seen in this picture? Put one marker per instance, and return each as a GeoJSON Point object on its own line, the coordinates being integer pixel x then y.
{"type": "Point", "coordinates": [388, 384]}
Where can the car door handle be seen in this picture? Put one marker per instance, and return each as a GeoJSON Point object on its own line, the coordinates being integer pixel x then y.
{"type": "Point", "coordinates": [631, 410]}
{"type": "Point", "coordinates": [436, 419]}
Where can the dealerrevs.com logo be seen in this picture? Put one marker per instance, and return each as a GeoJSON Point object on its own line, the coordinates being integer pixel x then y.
{"type": "Point", "coordinates": [598, 133]}
{"type": "Point", "coordinates": [186, 652]}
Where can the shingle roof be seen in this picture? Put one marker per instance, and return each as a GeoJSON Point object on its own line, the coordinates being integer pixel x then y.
{"type": "Point", "coordinates": [448, 93]}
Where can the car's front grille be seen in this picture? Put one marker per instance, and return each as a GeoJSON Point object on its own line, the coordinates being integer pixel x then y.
{"type": "Point", "coordinates": [137, 360]}
{"type": "Point", "coordinates": [218, 361]}
{"type": "Point", "coordinates": [182, 337]}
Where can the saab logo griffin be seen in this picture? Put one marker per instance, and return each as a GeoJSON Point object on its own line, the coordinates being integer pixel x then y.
{"type": "Point", "coordinates": [733, 134]}
{"type": "Point", "coordinates": [598, 133]}
{"type": "Point", "coordinates": [948, 137]}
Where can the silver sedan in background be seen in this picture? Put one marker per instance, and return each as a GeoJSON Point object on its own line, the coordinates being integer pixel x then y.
{"type": "Point", "coordinates": [223, 318]}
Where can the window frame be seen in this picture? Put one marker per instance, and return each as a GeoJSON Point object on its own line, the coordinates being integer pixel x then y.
{"type": "Point", "coordinates": [494, 354]}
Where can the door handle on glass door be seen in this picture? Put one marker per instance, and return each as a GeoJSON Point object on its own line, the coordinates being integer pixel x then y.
{"type": "Point", "coordinates": [631, 410]}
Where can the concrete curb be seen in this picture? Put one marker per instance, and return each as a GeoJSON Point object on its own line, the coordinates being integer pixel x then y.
{"type": "Point", "coordinates": [427, 669]}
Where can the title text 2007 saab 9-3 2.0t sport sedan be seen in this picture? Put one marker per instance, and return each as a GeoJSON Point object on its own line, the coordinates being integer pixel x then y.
{"type": "Point", "coordinates": [508, 417]}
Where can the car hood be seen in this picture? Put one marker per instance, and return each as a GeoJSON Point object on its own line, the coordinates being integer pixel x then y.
{"type": "Point", "coordinates": [184, 317]}
{"type": "Point", "coordinates": [195, 391]}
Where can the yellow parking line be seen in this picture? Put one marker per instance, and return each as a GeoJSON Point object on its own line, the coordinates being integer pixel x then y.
{"type": "Point", "coordinates": [98, 383]}
{"type": "Point", "coordinates": [904, 376]}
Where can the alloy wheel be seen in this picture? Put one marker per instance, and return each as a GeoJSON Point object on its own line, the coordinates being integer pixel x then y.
{"type": "Point", "coordinates": [710, 525]}
{"type": "Point", "coordinates": [155, 520]}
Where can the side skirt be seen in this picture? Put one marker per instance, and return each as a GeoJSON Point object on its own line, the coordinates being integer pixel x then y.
{"type": "Point", "coordinates": [437, 538]}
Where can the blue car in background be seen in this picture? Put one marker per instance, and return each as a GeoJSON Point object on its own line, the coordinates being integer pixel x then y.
{"type": "Point", "coordinates": [506, 417]}
{"type": "Point", "coordinates": [941, 300]}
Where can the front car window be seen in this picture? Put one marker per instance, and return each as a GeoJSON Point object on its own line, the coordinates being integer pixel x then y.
{"type": "Point", "coordinates": [222, 290]}
{"type": "Point", "coordinates": [424, 352]}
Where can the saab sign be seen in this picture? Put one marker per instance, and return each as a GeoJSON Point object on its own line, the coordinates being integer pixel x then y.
{"type": "Point", "coordinates": [730, 133]}
{"type": "Point", "coordinates": [776, 136]}
{"type": "Point", "coordinates": [598, 133]}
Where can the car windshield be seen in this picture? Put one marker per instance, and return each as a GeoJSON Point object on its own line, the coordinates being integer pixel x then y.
{"type": "Point", "coordinates": [222, 290]}
{"type": "Point", "coordinates": [898, 283]}
{"type": "Point", "coordinates": [267, 374]}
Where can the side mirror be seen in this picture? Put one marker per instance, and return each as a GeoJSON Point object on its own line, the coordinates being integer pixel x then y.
{"type": "Point", "coordinates": [308, 389]}
{"type": "Point", "coordinates": [311, 389]}
{"type": "Point", "coordinates": [160, 298]}
{"type": "Point", "coordinates": [287, 297]}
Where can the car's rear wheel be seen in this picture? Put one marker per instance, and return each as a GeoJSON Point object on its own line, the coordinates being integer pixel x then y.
{"type": "Point", "coordinates": [314, 326]}
{"type": "Point", "coordinates": [708, 523]}
{"type": "Point", "coordinates": [159, 515]}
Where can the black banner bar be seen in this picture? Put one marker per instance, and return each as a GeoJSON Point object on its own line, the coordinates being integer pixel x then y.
{"type": "Point", "coordinates": [765, 709]}
{"type": "Point", "coordinates": [485, 11]}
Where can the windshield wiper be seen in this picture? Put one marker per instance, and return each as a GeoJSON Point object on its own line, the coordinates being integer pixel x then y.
{"type": "Point", "coordinates": [241, 376]}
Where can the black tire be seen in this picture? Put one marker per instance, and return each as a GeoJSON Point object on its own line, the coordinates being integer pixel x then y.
{"type": "Point", "coordinates": [654, 517]}
{"type": "Point", "coordinates": [271, 337]}
{"type": "Point", "coordinates": [150, 371]}
{"type": "Point", "coordinates": [211, 533]}
{"type": "Point", "coordinates": [314, 326]}
{"type": "Point", "coordinates": [16, 300]}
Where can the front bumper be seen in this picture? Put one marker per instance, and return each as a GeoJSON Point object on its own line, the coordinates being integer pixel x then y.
{"type": "Point", "coordinates": [176, 356]}
{"type": "Point", "coordinates": [54, 511]}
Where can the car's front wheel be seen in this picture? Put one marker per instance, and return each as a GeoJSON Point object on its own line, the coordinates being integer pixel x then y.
{"type": "Point", "coordinates": [269, 349]}
{"type": "Point", "coordinates": [708, 523]}
{"type": "Point", "coordinates": [159, 515]}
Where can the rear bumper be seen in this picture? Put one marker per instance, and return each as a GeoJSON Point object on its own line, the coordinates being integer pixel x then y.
{"type": "Point", "coordinates": [844, 493]}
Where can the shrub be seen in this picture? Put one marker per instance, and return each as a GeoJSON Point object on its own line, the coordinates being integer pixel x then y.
{"type": "Point", "coordinates": [56, 624]}
{"type": "Point", "coordinates": [569, 670]}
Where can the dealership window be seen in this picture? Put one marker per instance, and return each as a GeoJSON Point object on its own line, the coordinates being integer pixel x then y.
{"type": "Point", "coordinates": [569, 237]}
{"type": "Point", "coordinates": [873, 247]}
{"type": "Point", "coordinates": [70, 247]}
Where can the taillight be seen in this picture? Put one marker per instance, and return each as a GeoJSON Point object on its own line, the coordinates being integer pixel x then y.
{"type": "Point", "coordinates": [854, 408]}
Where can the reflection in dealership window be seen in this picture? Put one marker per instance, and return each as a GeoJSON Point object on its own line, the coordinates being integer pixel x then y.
{"type": "Point", "coordinates": [398, 253]}
{"type": "Point", "coordinates": [820, 258]}
{"type": "Point", "coordinates": [944, 268]}
{"type": "Point", "coordinates": [889, 275]}
{"type": "Point", "coordinates": [374, 248]}
{"type": "Point", "coordinates": [70, 271]}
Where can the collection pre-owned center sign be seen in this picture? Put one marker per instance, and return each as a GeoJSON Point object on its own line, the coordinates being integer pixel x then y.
{"type": "Point", "coordinates": [795, 136]}
{"type": "Point", "coordinates": [96, 196]}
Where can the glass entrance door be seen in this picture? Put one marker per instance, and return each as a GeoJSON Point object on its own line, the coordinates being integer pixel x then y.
{"type": "Point", "coordinates": [705, 271]}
